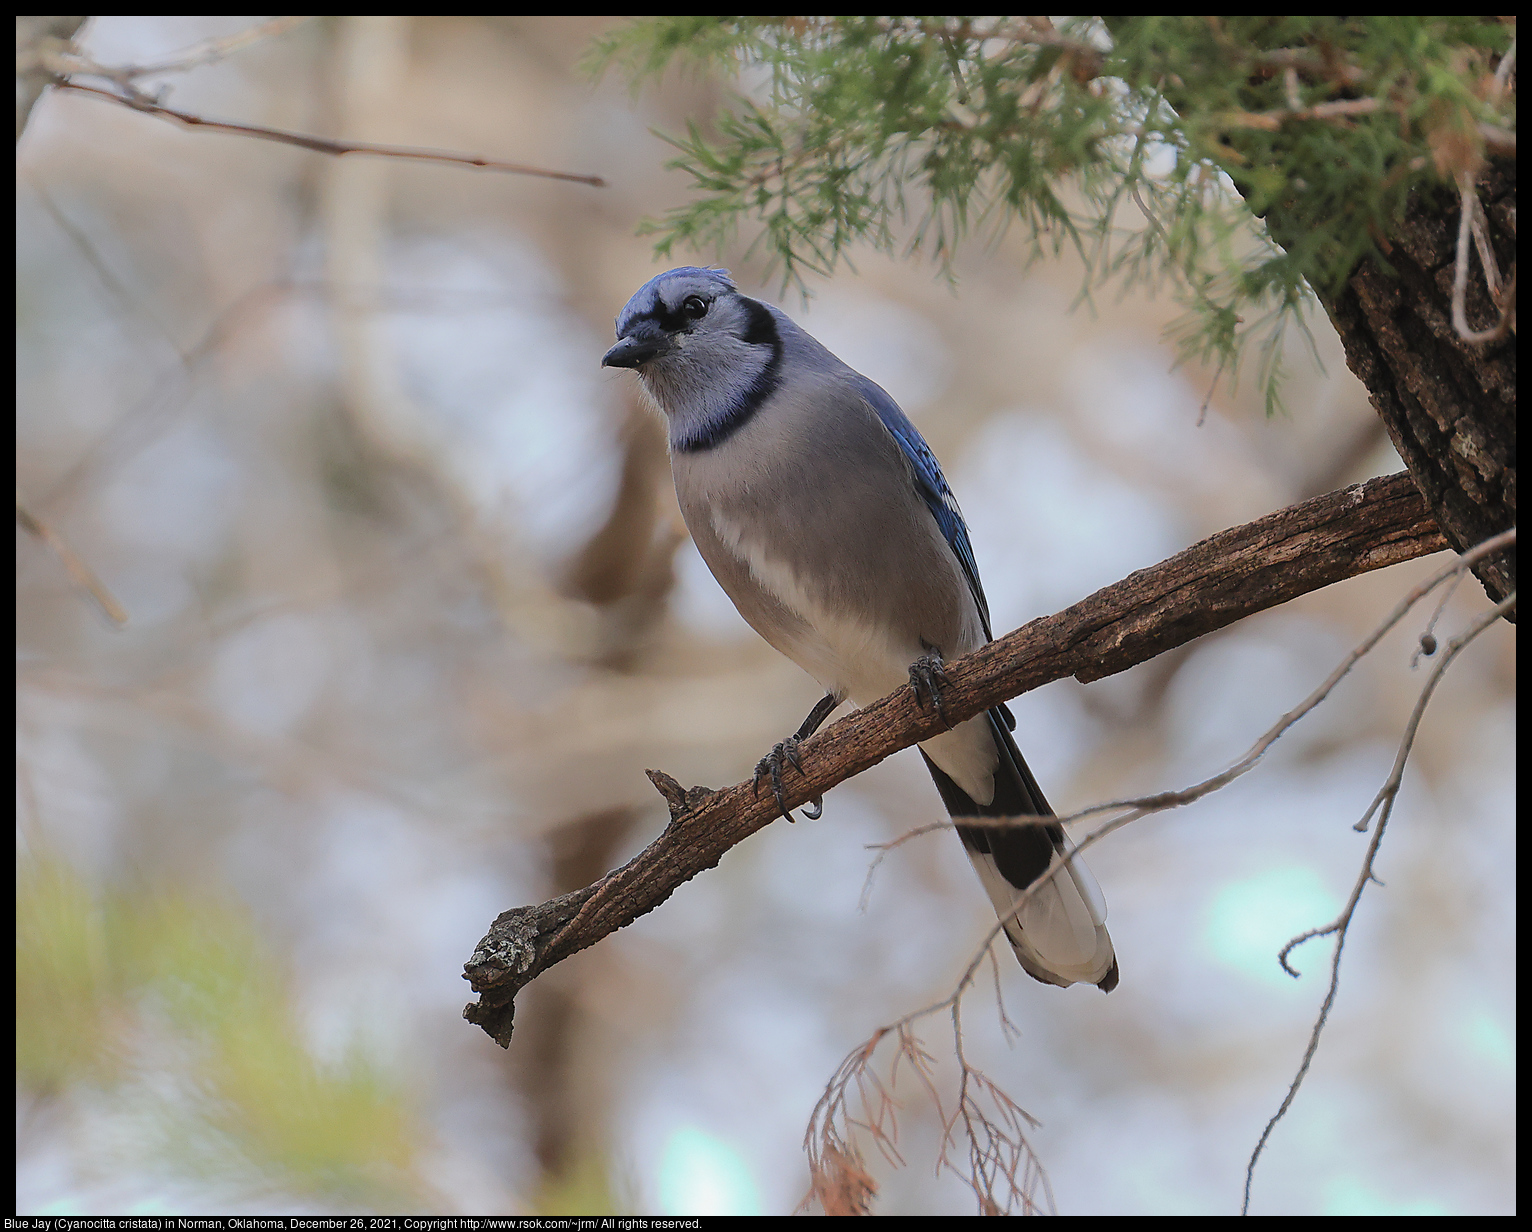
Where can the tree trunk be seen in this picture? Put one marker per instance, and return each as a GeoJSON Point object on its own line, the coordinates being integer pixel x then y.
{"type": "Point", "coordinates": [1449, 405]}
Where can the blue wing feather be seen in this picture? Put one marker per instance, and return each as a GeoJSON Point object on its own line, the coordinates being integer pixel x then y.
{"type": "Point", "coordinates": [933, 487]}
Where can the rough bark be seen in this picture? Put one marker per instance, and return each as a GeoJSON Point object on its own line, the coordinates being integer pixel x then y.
{"type": "Point", "coordinates": [1449, 405]}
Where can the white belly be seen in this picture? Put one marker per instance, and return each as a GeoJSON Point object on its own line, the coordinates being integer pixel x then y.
{"type": "Point", "coordinates": [856, 658]}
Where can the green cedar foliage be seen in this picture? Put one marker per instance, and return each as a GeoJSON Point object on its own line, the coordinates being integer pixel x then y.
{"type": "Point", "coordinates": [1154, 145]}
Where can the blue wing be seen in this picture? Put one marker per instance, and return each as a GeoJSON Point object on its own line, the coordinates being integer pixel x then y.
{"type": "Point", "coordinates": [937, 494]}
{"type": "Point", "coordinates": [933, 486]}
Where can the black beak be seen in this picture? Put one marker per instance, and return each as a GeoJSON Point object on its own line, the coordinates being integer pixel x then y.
{"type": "Point", "coordinates": [636, 349]}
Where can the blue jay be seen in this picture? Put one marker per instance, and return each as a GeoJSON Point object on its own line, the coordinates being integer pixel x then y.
{"type": "Point", "coordinates": [827, 520]}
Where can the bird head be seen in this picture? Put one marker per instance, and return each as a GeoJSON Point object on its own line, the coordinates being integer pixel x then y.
{"type": "Point", "coordinates": [707, 354]}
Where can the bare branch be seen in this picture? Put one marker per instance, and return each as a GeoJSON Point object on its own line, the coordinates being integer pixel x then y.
{"type": "Point", "coordinates": [1214, 583]}
{"type": "Point", "coordinates": [996, 1187]}
{"type": "Point", "coordinates": [1133, 810]}
{"type": "Point", "coordinates": [210, 51]}
{"type": "Point", "coordinates": [63, 60]}
{"type": "Point", "coordinates": [135, 305]}
{"type": "Point", "coordinates": [1161, 801]}
{"type": "Point", "coordinates": [323, 145]}
{"type": "Point", "coordinates": [1341, 925]}
{"type": "Point", "coordinates": [38, 40]}
{"type": "Point", "coordinates": [78, 569]}
{"type": "Point", "coordinates": [1341, 109]}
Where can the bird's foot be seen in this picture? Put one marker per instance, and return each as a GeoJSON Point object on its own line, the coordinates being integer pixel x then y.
{"type": "Point", "coordinates": [927, 676]}
{"type": "Point", "coordinates": [770, 767]}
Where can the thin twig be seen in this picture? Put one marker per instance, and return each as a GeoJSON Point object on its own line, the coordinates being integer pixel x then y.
{"type": "Point", "coordinates": [1428, 634]}
{"type": "Point", "coordinates": [324, 145]}
{"type": "Point", "coordinates": [1341, 109]}
{"type": "Point", "coordinates": [884, 849]}
{"type": "Point", "coordinates": [1134, 809]}
{"type": "Point", "coordinates": [78, 569]}
{"type": "Point", "coordinates": [69, 61]}
{"type": "Point", "coordinates": [1467, 218]}
{"type": "Point", "coordinates": [133, 303]}
{"type": "Point", "coordinates": [1503, 72]}
{"type": "Point", "coordinates": [210, 51]}
{"type": "Point", "coordinates": [1481, 243]}
{"type": "Point", "coordinates": [1002, 1170]}
{"type": "Point", "coordinates": [1340, 926]}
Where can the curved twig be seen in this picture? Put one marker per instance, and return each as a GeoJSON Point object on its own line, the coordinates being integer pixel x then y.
{"type": "Point", "coordinates": [1470, 224]}
{"type": "Point", "coordinates": [1341, 925]}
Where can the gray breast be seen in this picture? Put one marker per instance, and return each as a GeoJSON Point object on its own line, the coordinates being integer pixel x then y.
{"type": "Point", "coordinates": [822, 484]}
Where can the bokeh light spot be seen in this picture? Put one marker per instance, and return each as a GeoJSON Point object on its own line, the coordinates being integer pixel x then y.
{"type": "Point", "coordinates": [1488, 1037]}
{"type": "Point", "coordinates": [1349, 1196]}
{"type": "Point", "coordinates": [701, 1175]}
{"type": "Point", "coordinates": [1251, 920]}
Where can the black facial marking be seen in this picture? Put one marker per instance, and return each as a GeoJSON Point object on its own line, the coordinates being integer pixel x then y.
{"type": "Point", "coordinates": [667, 320]}
{"type": "Point", "coordinates": [760, 326]}
{"type": "Point", "coordinates": [760, 330]}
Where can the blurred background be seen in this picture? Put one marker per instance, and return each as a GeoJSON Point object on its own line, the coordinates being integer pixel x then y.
{"type": "Point", "coordinates": [410, 609]}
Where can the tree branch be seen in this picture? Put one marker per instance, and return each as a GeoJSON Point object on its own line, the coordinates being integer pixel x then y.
{"type": "Point", "coordinates": [1340, 927]}
{"type": "Point", "coordinates": [82, 574]}
{"type": "Point", "coordinates": [209, 51]}
{"type": "Point", "coordinates": [1216, 582]}
{"type": "Point", "coordinates": [324, 145]}
{"type": "Point", "coordinates": [997, 1141]}
{"type": "Point", "coordinates": [37, 40]}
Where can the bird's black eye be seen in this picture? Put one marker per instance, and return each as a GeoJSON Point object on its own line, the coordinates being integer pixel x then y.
{"type": "Point", "coordinates": [694, 306]}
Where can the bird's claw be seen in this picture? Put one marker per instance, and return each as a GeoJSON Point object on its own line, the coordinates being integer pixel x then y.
{"type": "Point", "coordinates": [927, 676]}
{"type": "Point", "coordinates": [770, 767]}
